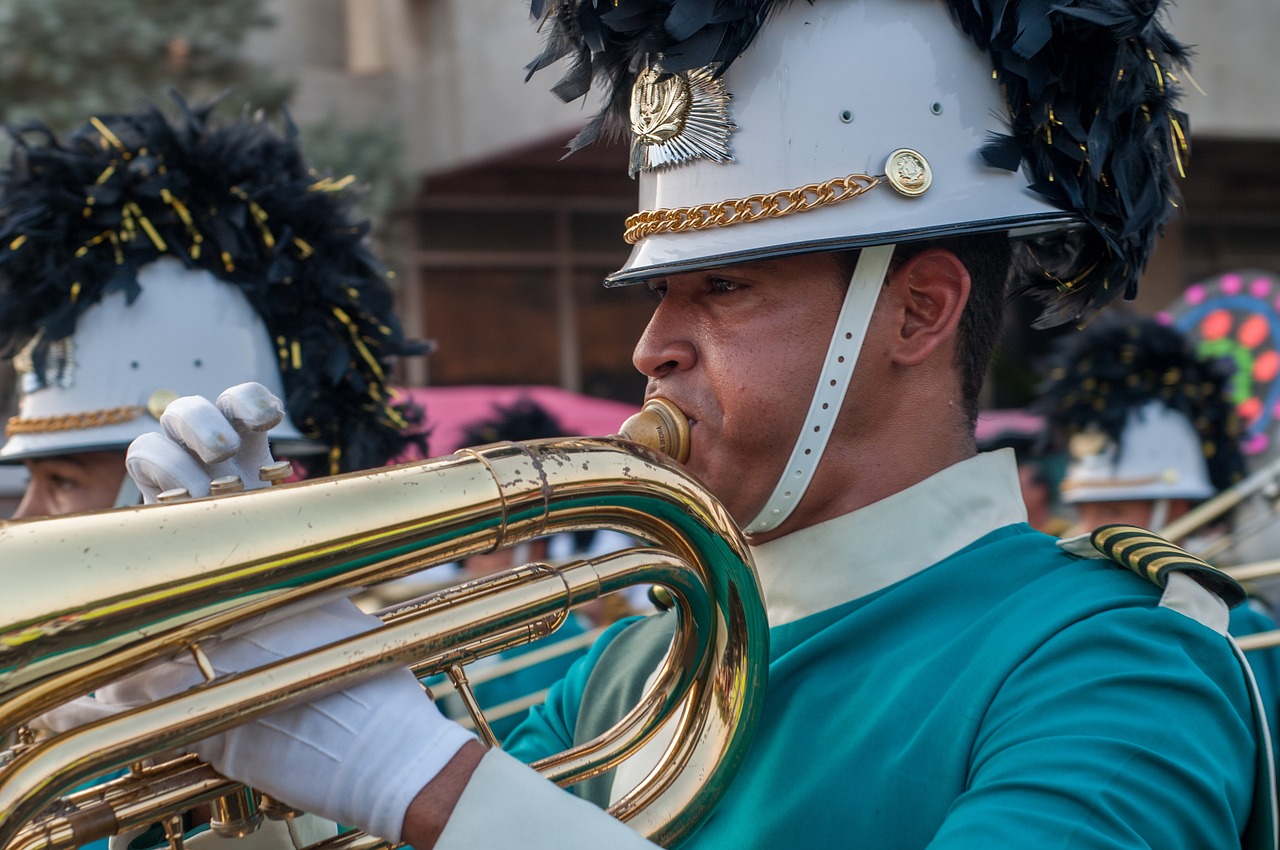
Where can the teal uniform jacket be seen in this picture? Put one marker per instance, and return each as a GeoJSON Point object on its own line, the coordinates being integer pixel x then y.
{"type": "Point", "coordinates": [1053, 705]}
{"type": "Point", "coordinates": [1005, 695]}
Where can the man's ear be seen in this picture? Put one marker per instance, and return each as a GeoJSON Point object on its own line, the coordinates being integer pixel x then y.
{"type": "Point", "coordinates": [931, 290]}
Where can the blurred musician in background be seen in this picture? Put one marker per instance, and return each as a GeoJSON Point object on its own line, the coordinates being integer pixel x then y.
{"type": "Point", "coordinates": [1148, 426]}
{"type": "Point", "coordinates": [940, 673]}
{"type": "Point", "coordinates": [146, 258]}
{"type": "Point", "coordinates": [1151, 432]}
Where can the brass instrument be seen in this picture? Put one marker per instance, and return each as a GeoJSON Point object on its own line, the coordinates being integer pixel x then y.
{"type": "Point", "coordinates": [93, 597]}
{"type": "Point", "coordinates": [1264, 482]}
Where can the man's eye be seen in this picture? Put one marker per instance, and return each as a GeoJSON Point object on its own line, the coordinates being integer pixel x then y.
{"type": "Point", "coordinates": [719, 284]}
{"type": "Point", "coordinates": [63, 484]}
{"type": "Point", "coordinates": [657, 289]}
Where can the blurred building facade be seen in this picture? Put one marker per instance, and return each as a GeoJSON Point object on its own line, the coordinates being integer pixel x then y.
{"type": "Point", "coordinates": [501, 246]}
{"type": "Point", "coordinates": [501, 243]}
{"type": "Point", "coordinates": [505, 244]}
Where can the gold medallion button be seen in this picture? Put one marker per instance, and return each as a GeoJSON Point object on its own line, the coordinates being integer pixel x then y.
{"type": "Point", "coordinates": [908, 172]}
{"type": "Point", "coordinates": [159, 400]}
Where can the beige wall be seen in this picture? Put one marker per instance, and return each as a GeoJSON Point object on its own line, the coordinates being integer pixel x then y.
{"type": "Point", "coordinates": [449, 73]}
{"type": "Point", "coordinates": [1236, 64]}
{"type": "Point", "coordinates": [446, 74]}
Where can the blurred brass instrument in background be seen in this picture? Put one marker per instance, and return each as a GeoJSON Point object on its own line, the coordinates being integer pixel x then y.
{"type": "Point", "coordinates": [92, 597]}
{"type": "Point", "coordinates": [1263, 484]}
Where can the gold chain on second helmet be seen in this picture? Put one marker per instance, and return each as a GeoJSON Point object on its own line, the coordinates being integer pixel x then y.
{"type": "Point", "coordinates": [73, 421]}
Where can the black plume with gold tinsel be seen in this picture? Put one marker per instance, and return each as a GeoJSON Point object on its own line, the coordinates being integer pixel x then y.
{"type": "Point", "coordinates": [80, 216]}
{"type": "Point", "coordinates": [1103, 374]}
{"type": "Point", "coordinates": [1091, 87]}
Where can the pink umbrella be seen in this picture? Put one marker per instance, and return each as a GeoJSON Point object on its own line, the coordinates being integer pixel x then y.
{"type": "Point", "coordinates": [451, 409]}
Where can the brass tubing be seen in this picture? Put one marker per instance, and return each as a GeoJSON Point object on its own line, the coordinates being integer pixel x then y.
{"type": "Point", "coordinates": [405, 516]}
{"type": "Point", "coordinates": [235, 815]}
{"type": "Point", "coordinates": [522, 662]}
{"type": "Point", "coordinates": [39, 774]}
{"type": "Point", "coordinates": [353, 841]}
{"type": "Point", "coordinates": [58, 616]}
{"type": "Point", "coordinates": [110, 591]}
{"type": "Point", "coordinates": [116, 806]}
{"type": "Point", "coordinates": [1207, 512]}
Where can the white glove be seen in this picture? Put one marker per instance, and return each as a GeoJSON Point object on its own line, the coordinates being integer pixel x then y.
{"type": "Point", "coordinates": [358, 756]}
{"type": "Point", "coordinates": [203, 441]}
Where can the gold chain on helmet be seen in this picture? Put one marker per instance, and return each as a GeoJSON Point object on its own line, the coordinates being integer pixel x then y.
{"type": "Point", "coordinates": [73, 421]}
{"type": "Point", "coordinates": [752, 208]}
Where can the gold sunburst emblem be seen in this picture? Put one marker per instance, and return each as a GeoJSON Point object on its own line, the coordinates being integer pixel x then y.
{"type": "Point", "coordinates": [658, 107]}
{"type": "Point", "coordinates": [676, 118]}
{"type": "Point", "coordinates": [1087, 444]}
{"type": "Point", "coordinates": [57, 370]}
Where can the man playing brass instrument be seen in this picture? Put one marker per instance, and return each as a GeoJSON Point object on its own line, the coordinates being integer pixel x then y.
{"type": "Point", "coordinates": [828, 184]}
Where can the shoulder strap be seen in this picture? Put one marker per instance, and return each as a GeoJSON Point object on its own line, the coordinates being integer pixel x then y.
{"type": "Point", "coordinates": [615, 685]}
{"type": "Point", "coordinates": [1154, 558]}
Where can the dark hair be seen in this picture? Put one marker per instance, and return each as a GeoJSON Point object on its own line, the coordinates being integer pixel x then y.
{"type": "Point", "coordinates": [988, 258]}
{"type": "Point", "coordinates": [524, 419]}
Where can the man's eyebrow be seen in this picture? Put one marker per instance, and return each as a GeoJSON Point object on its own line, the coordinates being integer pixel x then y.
{"type": "Point", "coordinates": [764, 265]}
{"type": "Point", "coordinates": [76, 460]}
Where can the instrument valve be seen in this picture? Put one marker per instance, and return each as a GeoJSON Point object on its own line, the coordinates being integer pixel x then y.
{"type": "Point", "coordinates": [225, 485]}
{"type": "Point", "coordinates": [276, 472]}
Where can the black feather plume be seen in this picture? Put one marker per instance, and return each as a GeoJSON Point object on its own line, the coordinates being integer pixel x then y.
{"type": "Point", "coordinates": [1103, 374]}
{"type": "Point", "coordinates": [80, 216]}
{"type": "Point", "coordinates": [1091, 87]}
{"type": "Point", "coordinates": [609, 43]}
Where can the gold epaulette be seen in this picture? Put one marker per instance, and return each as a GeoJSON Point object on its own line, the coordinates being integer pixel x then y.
{"type": "Point", "coordinates": [1152, 557]}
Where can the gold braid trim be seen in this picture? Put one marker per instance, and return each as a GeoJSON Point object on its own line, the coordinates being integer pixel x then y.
{"type": "Point", "coordinates": [724, 213]}
{"type": "Point", "coordinates": [73, 421]}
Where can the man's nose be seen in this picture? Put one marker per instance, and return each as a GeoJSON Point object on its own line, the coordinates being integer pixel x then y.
{"type": "Point", "coordinates": [34, 503]}
{"type": "Point", "coordinates": [663, 349]}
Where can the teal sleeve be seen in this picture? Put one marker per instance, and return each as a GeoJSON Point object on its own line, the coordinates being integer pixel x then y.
{"type": "Point", "coordinates": [1113, 712]}
{"type": "Point", "coordinates": [1265, 663]}
{"type": "Point", "coordinates": [548, 728]}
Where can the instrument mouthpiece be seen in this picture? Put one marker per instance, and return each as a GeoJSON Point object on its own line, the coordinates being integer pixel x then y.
{"type": "Point", "coordinates": [660, 426]}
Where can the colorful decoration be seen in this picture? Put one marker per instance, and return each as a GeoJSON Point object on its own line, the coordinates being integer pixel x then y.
{"type": "Point", "coordinates": [1236, 317]}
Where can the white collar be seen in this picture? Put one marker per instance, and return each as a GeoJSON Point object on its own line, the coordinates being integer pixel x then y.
{"type": "Point", "coordinates": [842, 559]}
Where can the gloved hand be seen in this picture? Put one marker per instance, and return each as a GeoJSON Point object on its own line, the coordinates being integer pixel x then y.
{"type": "Point", "coordinates": [357, 756]}
{"type": "Point", "coordinates": [203, 441]}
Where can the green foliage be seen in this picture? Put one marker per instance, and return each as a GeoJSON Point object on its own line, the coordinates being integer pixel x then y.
{"type": "Point", "coordinates": [64, 60]}
{"type": "Point", "coordinates": [374, 156]}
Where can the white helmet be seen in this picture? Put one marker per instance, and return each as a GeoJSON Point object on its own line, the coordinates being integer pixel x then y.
{"type": "Point", "coordinates": [761, 129]}
{"type": "Point", "coordinates": [1141, 415]}
{"type": "Point", "coordinates": [919, 104]}
{"type": "Point", "coordinates": [1158, 456]}
{"type": "Point", "coordinates": [187, 333]}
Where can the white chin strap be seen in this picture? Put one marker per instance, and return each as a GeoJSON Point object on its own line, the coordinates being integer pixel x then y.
{"type": "Point", "coordinates": [828, 396]}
